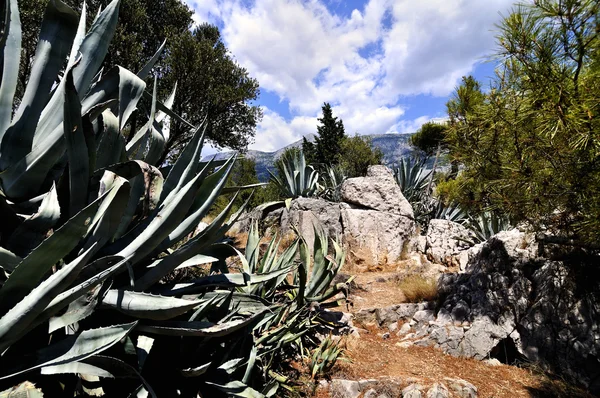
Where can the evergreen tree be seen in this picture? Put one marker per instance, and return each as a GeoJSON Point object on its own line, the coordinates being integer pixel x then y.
{"type": "Point", "coordinates": [328, 142]}
{"type": "Point", "coordinates": [531, 145]}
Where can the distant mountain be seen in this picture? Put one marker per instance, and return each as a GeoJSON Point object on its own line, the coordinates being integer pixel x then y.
{"type": "Point", "coordinates": [393, 146]}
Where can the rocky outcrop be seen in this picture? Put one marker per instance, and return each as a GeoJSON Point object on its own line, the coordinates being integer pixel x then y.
{"type": "Point", "coordinates": [377, 191]}
{"type": "Point", "coordinates": [445, 240]}
{"type": "Point", "coordinates": [386, 387]}
{"type": "Point", "coordinates": [374, 220]}
{"type": "Point", "coordinates": [510, 304]}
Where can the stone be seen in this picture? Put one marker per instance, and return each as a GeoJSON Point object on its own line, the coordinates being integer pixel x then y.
{"type": "Point", "coordinates": [371, 393]}
{"type": "Point", "coordinates": [376, 237]}
{"type": "Point", "coordinates": [404, 330]}
{"type": "Point", "coordinates": [341, 388]}
{"type": "Point", "coordinates": [447, 239]}
{"type": "Point", "coordinates": [405, 344]}
{"type": "Point", "coordinates": [424, 316]}
{"type": "Point", "coordinates": [377, 191]}
{"type": "Point", "coordinates": [438, 390]}
{"type": "Point", "coordinates": [392, 327]}
{"type": "Point", "coordinates": [366, 315]}
{"type": "Point", "coordinates": [461, 388]}
{"type": "Point", "coordinates": [412, 391]}
{"type": "Point", "coordinates": [492, 362]}
{"type": "Point", "coordinates": [385, 336]}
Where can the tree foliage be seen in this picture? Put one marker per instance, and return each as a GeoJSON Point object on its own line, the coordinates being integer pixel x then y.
{"type": "Point", "coordinates": [210, 82]}
{"type": "Point", "coordinates": [429, 137]}
{"type": "Point", "coordinates": [328, 142]}
{"type": "Point", "coordinates": [531, 145]}
{"type": "Point", "coordinates": [357, 154]}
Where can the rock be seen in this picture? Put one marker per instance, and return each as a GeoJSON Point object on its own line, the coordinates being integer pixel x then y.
{"type": "Point", "coordinates": [393, 313]}
{"type": "Point", "coordinates": [492, 362]}
{"type": "Point", "coordinates": [377, 191]}
{"type": "Point", "coordinates": [412, 391]}
{"type": "Point", "coordinates": [405, 344]}
{"type": "Point", "coordinates": [404, 330]}
{"type": "Point", "coordinates": [345, 388]}
{"type": "Point", "coordinates": [438, 390]}
{"type": "Point", "coordinates": [424, 316]}
{"type": "Point", "coordinates": [511, 303]}
{"type": "Point", "coordinates": [385, 336]}
{"type": "Point", "coordinates": [366, 315]}
{"type": "Point", "coordinates": [392, 327]}
{"type": "Point", "coordinates": [445, 240]}
{"type": "Point", "coordinates": [462, 388]}
{"type": "Point", "coordinates": [372, 393]}
{"type": "Point", "coordinates": [376, 237]}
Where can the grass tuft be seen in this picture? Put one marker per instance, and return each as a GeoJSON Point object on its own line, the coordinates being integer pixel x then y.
{"type": "Point", "coordinates": [416, 288]}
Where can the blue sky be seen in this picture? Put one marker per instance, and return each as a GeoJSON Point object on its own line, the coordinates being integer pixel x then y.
{"type": "Point", "coordinates": [386, 66]}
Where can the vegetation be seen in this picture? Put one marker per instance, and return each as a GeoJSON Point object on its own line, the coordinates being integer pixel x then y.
{"type": "Point", "coordinates": [91, 228]}
{"type": "Point", "coordinates": [417, 288]}
{"type": "Point", "coordinates": [327, 146]}
{"type": "Point", "coordinates": [357, 154]}
{"type": "Point", "coordinates": [210, 82]}
{"type": "Point", "coordinates": [296, 178]}
{"type": "Point", "coordinates": [530, 146]}
{"type": "Point", "coordinates": [429, 138]}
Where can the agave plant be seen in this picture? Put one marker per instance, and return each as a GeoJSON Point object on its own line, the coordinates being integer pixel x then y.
{"type": "Point", "coordinates": [90, 225]}
{"type": "Point", "coordinates": [487, 224]}
{"type": "Point", "coordinates": [333, 179]}
{"type": "Point", "coordinates": [298, 179]}
{"type": "Point", "coordinates": [412, 177]}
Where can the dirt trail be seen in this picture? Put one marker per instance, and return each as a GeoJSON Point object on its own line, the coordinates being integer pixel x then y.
{"type": "Point", "coordinates": [372, 356]}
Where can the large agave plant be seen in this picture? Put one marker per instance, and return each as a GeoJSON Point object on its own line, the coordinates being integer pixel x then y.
{"type": "Point", "coordinates": [298, 179]}
{"type": "Point", "coordinates": [90, 225]}
{"type": "Point", "coordinates": [413, 177]}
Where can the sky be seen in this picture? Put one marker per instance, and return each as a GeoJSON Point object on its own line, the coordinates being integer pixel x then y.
{"type": "Point", "coordinates": [385, 66]}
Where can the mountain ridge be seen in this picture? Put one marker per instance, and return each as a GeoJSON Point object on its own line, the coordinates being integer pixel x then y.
{"type": "Point", "coordinates": [393, 146]}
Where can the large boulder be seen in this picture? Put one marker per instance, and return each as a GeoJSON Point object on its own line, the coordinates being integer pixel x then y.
{"type": "Point", "coordinates": [375, 221]}
{"type": "Point", "coordinates": [446, 240]}
{"type": "Point", "coordinates": [379, 222]}
{"type": "Point", "coordinates": [377, 191]}
{"type": "Point", "coordinates": [513, 302]}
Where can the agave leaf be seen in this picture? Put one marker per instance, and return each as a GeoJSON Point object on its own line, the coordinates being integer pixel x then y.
{"type": "Point", "coordinates": [208, 193]}
{"type": "Point", "coordinates": [20, 317]}
{"type": "Point", "coordinates": [194, 246]}
{"type": "Point", "coordinates": [146, 306]}
{"type": "Point", "coordinates": [34, 229]}
{"type": "Point", "coordinates": [161, 116]}
{"type": "Point", "coordinates": [79, 36]}
{"type": "Point", "coordinates": [143, 347]}
{"type": "Point", "coordinates": [77, 152]}
{"type": "Point", "coordinates": [237, 389]}
{"type": "Point", "coordinates": [8, 260]}
{"type": "Point", "coordinates": [32, 269]}
{"type": "Point", "coordinates": [93, 49]}
{"type": "Point", "coordinates": [10, 43]}
{"type": "Point", "coordinates": [195, 372]}
{"type": "Point", "coordinates": [56, 35]}
{"type": "Point", "coordinates": [71, 349]}
{"type": "Point", "coordinates": [163, 108]}
{"type": "Point", "coordinates": [111, 212]}
{"type": "Point", "coordinates": [224, 281]}
{"type": "Point", "coordinates": [142, 74]}
{"type": "Point", "coordinates": [186, 165]}
{"type": "Point", "coordinates": [198, 329]}
{"type": "Point", "coordinates": [118, 83]}
{"type": "Point", "coordinates": [79, 309]}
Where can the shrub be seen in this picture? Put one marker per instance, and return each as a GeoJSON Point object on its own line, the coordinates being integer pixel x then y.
{"type": "Point", "coordinates": [417, 288]}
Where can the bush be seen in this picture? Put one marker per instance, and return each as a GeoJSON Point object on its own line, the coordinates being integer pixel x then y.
{"type": "Point", "coordinates": [416, 288]}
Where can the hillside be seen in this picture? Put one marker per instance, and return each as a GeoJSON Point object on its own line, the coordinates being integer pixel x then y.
{"type": "Point", "coordinates": [394, 147]}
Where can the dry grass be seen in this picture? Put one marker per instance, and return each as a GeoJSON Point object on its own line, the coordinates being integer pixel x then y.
{"type": "Point", "coordinates": [416, 288]}
{"type": "Point", "coordinates": [373, 357]}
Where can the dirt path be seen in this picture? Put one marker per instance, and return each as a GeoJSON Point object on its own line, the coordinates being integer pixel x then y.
{"type": "Point", "coordinates": [372, 356]}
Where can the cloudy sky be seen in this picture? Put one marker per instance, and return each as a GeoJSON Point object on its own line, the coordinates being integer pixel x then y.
{"type": "Point", "coordinates": [386, 66]}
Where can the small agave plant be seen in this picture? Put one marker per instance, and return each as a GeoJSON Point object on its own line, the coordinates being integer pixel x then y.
{"type": "Point", "coordinates": [298, 179]}
{"type": "Point", "coordinates": [90, 226]}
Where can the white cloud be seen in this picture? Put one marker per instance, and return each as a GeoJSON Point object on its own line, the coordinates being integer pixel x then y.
{"type": "Point", "coordinates": [307, 55]}
{"type": "Point", "coordinates": [274, 131]}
